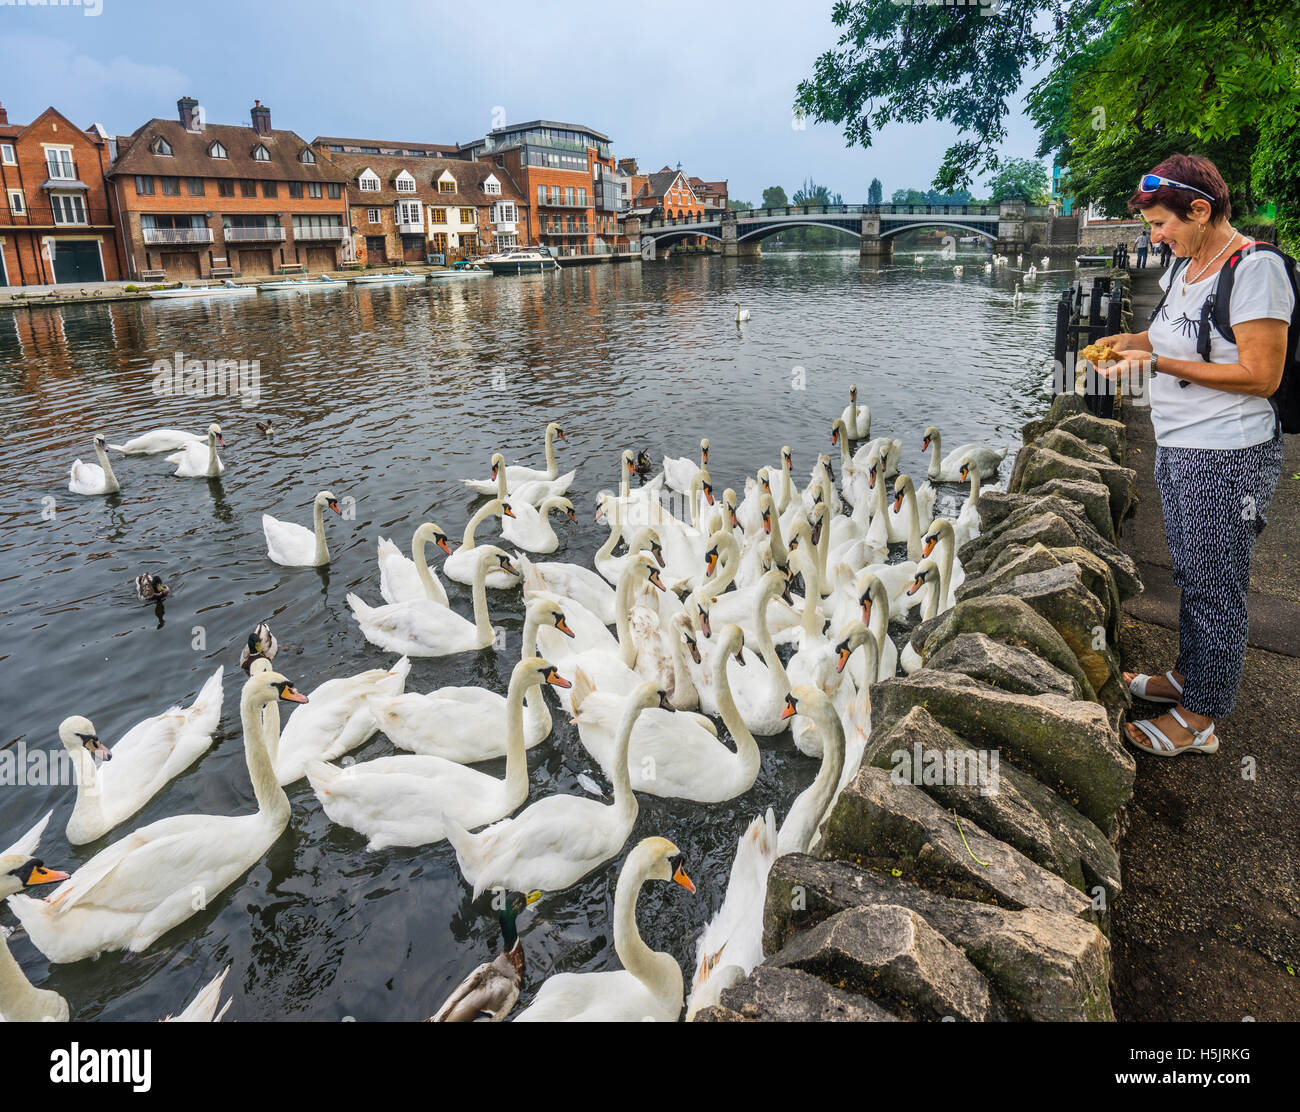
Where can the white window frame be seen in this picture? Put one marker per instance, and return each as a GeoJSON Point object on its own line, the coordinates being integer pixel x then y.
{"type": "Point", "coordinates": [409, 212]}
{"type": "Point", "coordinates": [404, 183]}
{"type": "Point", "coordinates": [261, 154]}
{"type": "Point", "coordinates": [492, 187]}
{"type": "Point", "coordinates": [162, 147]}
{"type": "Point", "coordinates": [373, 216]}
{"type": "Point", "coordinates": [21, 208]}
{"type": "Point", "coordinates": [504, 212]}
{"type": "Point", "coordinates": [59, 150]}
{"type": "Point", "coordinates": [73, 200]}
{"type": "Point", "coordinates": [368, 181]}
{"type": "Point", "coordinates": [307, 158]}
{"type": "Point", "coordinates": [215, 146]}
{"type": "Point", "coordinates": [7, 155]}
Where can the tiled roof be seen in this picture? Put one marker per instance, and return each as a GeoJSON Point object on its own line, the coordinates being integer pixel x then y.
{"type": "Point", "coordinates": [389, 146]}
{"type": "Point", "coordinates": [190, 158]}
{"type": "Point", "coordinates": [469, 176]}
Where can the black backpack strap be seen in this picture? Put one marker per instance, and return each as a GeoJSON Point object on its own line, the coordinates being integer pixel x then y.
{"type": "Point", "coordinates": [1179, 264]}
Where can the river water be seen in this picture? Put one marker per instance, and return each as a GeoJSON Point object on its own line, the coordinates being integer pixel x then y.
{"type": "Point", "coordinates": [389, 397]}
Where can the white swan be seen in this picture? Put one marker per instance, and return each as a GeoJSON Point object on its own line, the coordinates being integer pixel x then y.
{"type": "Point", "coordinates": [680, 470]}
{"type": "Point", "coordinates": [462, 564]}
{"type": "Point", "coordinates": [948, 470]}
{"type": "Point", "coordinates": [423, 627]}
{"type": "Point", "coordinates": [401, 801]}
{"type": "Point", "coordinates": [197, 461]}
{"type": "Point", "coordinates": [89, 478]}
{"type": "Point", "coordinates": [291, 545]}
{"type": "Point", "coordinates": [20, 1000]}
{"type": "Point", "coordinates": [911, 513]}
{"type": "Point", "coordinates": [587, 588]}
{"type": "Point", "coordinates": [967, 525]}
{"type": "Point", "coordinates": [556, 841]}
{"type": "Point", "coordinates": [674, 756]}
{"type": "Point", "coordinates": [853, 476]}
{"type": "Point", "coordinates": [741, 314]}
{"type": "Point", "coordinates": [1017, 297]}
{"type": "Point", "coordinates": [400, 579]}
{"type": "Point", "coordinates": [468, 724]}
{"type": "Point", "coordinates": [158, 440]}
{"type": "Point", "coordinates": [856, 418]}
{"type": "Point", "coordinates": [132, 893]}
{"type": "Point", "coordinates": [517, 474]}
{"type": "Point", "coordinates": [529, 527]}
{"type": "Point", "coordinates": [335, 721]}
{"type": "Point", "coordinates": [149, 756]}
{"type": "Point", "coordinates": [803, 822]}
{"type": "Point", "coordinates": [722, 562]}
{"type": "Point", "coordinates": [649, 986]}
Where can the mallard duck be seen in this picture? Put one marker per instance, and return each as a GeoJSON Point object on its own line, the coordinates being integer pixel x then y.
{"type": "Point", "coordinates": [492, 989]}
{"type": "Point", "coordinates": [151, 588]}
{"type": "Point", "coordinates": [261, 643]}
{"type": "Point", "coordinates": [266, 428]}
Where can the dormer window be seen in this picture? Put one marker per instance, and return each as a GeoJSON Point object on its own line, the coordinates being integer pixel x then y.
{"type": "Point", "coordinates": [306, 158]}
{"type": "Point", "coordinates": [161, 146]}
{"type": "Point", "coordinates": [492, 187]}
{"type": "Point", "coordinates": [368, 181]}
{"type": "Point", "coordinates": [446, 184]}
{"type": "Point", "coordinates": [404, 183]}
{"type": "Point", "coordinates": [216, 150]}
{"type": "Point", "coordinates": [261, 154]}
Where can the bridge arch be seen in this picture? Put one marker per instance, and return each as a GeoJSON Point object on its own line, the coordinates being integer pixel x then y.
{"type": "Point", "coordinates": [668, 236]}
{"type": "Point", "coordinates": [762, 231]}
{"type": "Point", "coordinates": [965, 229]}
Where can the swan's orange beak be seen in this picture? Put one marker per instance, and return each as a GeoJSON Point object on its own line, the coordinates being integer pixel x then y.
{"type": "Point", "coordinates": [844, 652]}
{"type": "Point", "coordinates": [289, 694]}
{"type": "Point", "coordinates": [631, 467]}
{"type": "Point", "coordinates": [866, 610]}
{"type": "Point", "coordinates": [444, 544]}
{"type": "Point", "coordinates": [560, 434]}
{"type": "Point", "coordinates": [927, 545]}
{"type": "Point", "coordinates": [221, 440]}
{"type": "Point", "coordinates": [42, 875]}
{"type": "Point", "coordinates": [656, 550]}
{"type": "Point", "coordinates": [563, 626]}
{"type": "Point", "coordinates": [965, 473]}
{"type": "Point", "coordinates": [925, 444]}
{"type": "Point", "coordinates": [735, 524]}
{"type": "Point", "coordinates": [916, 585]}
{"type": "Point", "coordinates": [573, 517]}
{"type": "Point", "coordinates": [708, 494]}
{"type": "Point", "coordinates": [790, 708]}
{"type": "Point", "coordinates": [679, 875]}
{"type": "Point", "coordinates": [654, 578]}
{"type": "Point", "coordinates": [556, 680]}
{"type": "Point", "coordinates": [505, 509]}
{"type": "Point", "coordinates": [494, 471]}
{"type": "Point", "coordinates": [334, 505]}
{"type": "Point", "coordinates": [695, 650]}
{"type": "Point", "coordinates": [767, 524]}
{"type": "Point", "coordinates": [898, 502]}
{"type": "Point", "coordinates": [710, 562]}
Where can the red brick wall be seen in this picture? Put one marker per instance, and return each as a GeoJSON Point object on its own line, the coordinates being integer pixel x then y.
{"type": "Point", "coordinates": [25, 262]}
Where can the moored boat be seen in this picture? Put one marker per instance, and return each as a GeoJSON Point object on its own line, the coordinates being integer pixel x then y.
{"type": "Point", "coordinates": [387, 278]}
{"type": "Point", "coordinates": [520, 260]}
{"type": "Point", "coordinates": [226, 289]}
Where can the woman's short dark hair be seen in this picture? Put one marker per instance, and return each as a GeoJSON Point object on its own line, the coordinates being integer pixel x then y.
{"type": "Point", "coordinates": [1190, 169]}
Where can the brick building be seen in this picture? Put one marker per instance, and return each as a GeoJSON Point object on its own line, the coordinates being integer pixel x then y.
{"type": "Point", "coordinates": [668, 191]}
{"type": "Point", "coordinates": [567, 174]}
{"type": "Point", "coordinates": [201, 200]}
{"type": "Point", "coordinates": [414, 201]}
{"type": "Point", "coordinates": [56, 224]}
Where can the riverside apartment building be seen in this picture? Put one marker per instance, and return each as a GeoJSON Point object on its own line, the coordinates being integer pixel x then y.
{"type": "Point", "coordinates": [567, 173]}
{"type": "Point", "coordinates": [203, 200]}
{"type": "Point", "coordinates": [56, 224]}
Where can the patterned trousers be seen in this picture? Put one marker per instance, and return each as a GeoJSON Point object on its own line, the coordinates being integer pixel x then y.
{"type": "Point", "coordinates": [1214, 502]}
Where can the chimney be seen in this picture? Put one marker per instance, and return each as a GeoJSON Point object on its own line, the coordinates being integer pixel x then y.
{"type": "Point", "coordinates": [627, 165]}
{"type": "Point", "coordinates": [187, 108]}
{"type": "Point", "coordinates": [4, 116]}
{"type": "Point", "coordinates": [261, 118]}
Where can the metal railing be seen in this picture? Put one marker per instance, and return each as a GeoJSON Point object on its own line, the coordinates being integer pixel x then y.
{"type": "Point", "coordinates": [555, 202]}
{"type": "Point", "coordinates": [575, 230]}
{"type": "Point", "coordinates": [267, 234]}
{"type": "Point", "coordinates": [176, 235]}
{"type": "Point", "coordinates": [327, 232]}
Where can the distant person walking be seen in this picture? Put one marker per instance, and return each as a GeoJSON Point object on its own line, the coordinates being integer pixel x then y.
{"type": "Point", "coordinates": [1218, 439]}
{"type": "Point", "coordinates": [1143, 244]}
{"type": "Point", "coordinates": [1165, 254]}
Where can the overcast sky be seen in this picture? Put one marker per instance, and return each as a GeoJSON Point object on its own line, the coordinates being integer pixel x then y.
{"type": "Point", "coordinates": [709, 85]}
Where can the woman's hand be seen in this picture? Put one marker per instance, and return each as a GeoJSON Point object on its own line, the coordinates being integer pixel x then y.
{"type": "Point", "coordinates": [1132, 363]}
{"type": "Point", "coordinates": [1124, 341]}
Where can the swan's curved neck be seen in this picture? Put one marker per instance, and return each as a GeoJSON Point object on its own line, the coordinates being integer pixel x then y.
{"type": "Point", "coordinates": [780, 553]}
{"type": "Point", "coordinates": [913, 511]}
{"type": "Point", "coordinates": [516, 752]}
{"type": "Point", "coordinates": [110, 480]}
{"type": "Point", "coordinates": [471, 527]}
{"type": "Point", "coordinates": [90, 795]}
{"type": "Point", "coordinates": [272, 803]}
{"type": "Point", "coordinates": [846, 458]}
{"type": "Point", "coordinates": [620, 776]}
{"type": "Point", "coordinates": [975, 480]}
{"type": "Point", "coordinates": [418, 547]}
{"type": "Point", "coordinates": [552, 467]}
{"type": "Point", "coordinates": [660, 973]}
{"type": "Point", "coordinates": [812, 616]}
{"type": "Point", "coordinates": [20, 1000]}
{"type": "Point", "coordinates": [766, 646]}
{"type": "Point", "coordinates": [503, 491]}
{"type": "Point", "coordinates": [214, 463]}
{"type": "Point", "coordinates": [318, 524]}
{"type": "Point", "coordinates": [684, 691]}
{"type": "Point", "coordinates": [936, 454]}
{"type": "Point", "coordinates": [879, 622]}
{"type": "Point", "coordinates": [729, 565]}
{"type": "Point", "coordinates": [482, 621]}
{"type": "Point", "coordinates": [622, 608]}
{"type": "Point", "coordinates": [746, 746]}
{"type": "Point", "coordinates": [816, 798]}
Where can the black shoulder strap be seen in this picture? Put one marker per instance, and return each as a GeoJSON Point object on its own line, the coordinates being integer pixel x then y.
{"type": "Point", "coordinates": [1219, 303]}
{"type": "Point", "coordinates": [1173, 274]}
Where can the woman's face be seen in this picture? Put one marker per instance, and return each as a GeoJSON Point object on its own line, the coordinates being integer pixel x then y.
{"type": "Point", "coordinates": [1184, 234]}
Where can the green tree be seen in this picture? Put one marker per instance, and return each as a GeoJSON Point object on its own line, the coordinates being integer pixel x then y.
{"type": "Point", "coordinates": [1276, 168]}
{"type": "Point", "coordinates": [875, 192]}
{"type": "Point", "coordinates": [907, 197]}
{"type": "Point", "coordinates": [1020, 179]}
{"type": "Point", "coordinates": [774, 197]}
{"type": "Point", "coordinates": [739, 206]}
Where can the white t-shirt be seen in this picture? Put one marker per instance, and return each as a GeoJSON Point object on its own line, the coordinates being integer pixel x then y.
{"type": "Point", "coordinates": [1196, 416]}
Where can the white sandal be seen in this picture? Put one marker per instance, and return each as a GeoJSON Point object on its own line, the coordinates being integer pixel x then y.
{"type": "Point", "coordinates": [1139, 688]}
{"type": "Point", "coordinates": [1203, 741]}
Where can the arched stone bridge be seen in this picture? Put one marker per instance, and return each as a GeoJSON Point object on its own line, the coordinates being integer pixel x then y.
{"type": "Point", "coordinates": [1008, 226]}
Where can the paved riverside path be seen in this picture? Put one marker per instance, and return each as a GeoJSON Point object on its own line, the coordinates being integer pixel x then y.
{"type": "Point", "coordinates": [1209, 918]}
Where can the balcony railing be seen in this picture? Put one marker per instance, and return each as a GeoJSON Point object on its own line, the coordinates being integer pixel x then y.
{"type": "Point", "coordinates": [177, 235]}
{"type": "Point", "coordinates": [555, 202]}
{"type": "Point", "coordinates": [268, 233]}
{"type": "Point", "coordinates": [407, 228]}
{"type": "Point", "coordinates": [334, 232]}
{"type": "Point", "coordinates": [557, 230]}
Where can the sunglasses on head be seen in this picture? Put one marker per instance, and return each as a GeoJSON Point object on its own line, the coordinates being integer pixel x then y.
{"type": "Point", "coordinates": [1151, 182]}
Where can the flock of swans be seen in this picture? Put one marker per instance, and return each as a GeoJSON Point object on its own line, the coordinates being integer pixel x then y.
{"type": "Point", "coordinates": [678, 625]}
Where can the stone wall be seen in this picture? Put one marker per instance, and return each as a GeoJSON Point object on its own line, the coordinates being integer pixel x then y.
{"type": "Point", "coordinates": [936, 895]}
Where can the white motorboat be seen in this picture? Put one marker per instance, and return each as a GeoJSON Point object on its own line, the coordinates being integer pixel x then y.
{"type": "Point", "coordinates": [226, 289]}
{"type": "Point", "coordinates": [387, 279]}
{"type": "Point", "coordinates": [520, 260]}
{"type": "Point", "coordinates": [322, 282]}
